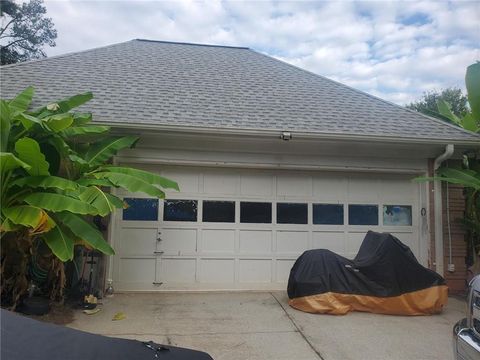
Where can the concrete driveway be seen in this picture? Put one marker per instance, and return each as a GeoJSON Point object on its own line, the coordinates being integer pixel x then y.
{"type": "Point", "coordinates": [261, 325]}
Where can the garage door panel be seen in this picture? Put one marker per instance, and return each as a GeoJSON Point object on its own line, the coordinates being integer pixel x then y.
{"type": "Point", "coordinates": [293, 185]}
{"type": "Point", "coordinates": [177, 270]}
{"type": "Point", "coordinates": [283, 270]}
{"type": "Point", "coordinates": [398, 190]}
{"type": "Point", "coordinates": [292, 242]}
{"type": "Point", "coordinates": [137, 241]}
{"type": "Point", "coordinates": [217, 271]}
{"type": "Point", "coordinates": [218, 241]}
{"type": "Point", "coordinates": [220, 183]}
{"type": "Point", "coordinates": [256, 185]}
{"type": "Point", "coordinates": [187, 181]}
{"type": "Point", "coordinates": [255, 271]}
{"type": "Point", "coordinates": [136, 270]}
{"type": "Point", "coordinates": [333, 241]}
{"type": "Point", "coordinates": [363, 190]}
{"type": "Point", "coordinates": [178, 241]}
{"type": "Point", "coordinates": [259, 244]}
{"type": "Point", "coordinates": [255, 242]}
{"type": "Point", "coordinates": [330, 188]}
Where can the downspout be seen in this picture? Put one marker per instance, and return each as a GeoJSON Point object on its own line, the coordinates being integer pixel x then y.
{"type": "Point", "coordinates": [437, 200]}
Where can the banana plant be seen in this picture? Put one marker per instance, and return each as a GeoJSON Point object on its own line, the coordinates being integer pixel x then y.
{"type": "Point", "coordinates": [471, 120]}
{"type": "Point", "coordinates": [469, 175]}
{"type": "Point", "coordinates": [55, 174]}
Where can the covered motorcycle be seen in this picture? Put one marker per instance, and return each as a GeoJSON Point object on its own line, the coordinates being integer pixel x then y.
{"type": "Point", "coordinates": [384, 277]}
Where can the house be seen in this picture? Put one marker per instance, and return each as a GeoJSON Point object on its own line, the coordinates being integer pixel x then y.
{"type": "Point", "coordinates": [270, 159]}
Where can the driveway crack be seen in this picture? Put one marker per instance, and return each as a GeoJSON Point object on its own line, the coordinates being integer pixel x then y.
{"type": "Point", "coordinates": [298, 328]}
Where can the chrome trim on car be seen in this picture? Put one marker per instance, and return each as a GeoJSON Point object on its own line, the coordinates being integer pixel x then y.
{"type": "Point", "coordinates": [466, 332]}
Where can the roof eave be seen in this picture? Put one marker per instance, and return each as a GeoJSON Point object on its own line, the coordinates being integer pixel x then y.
{"type": "Point", "coordinates": [268, 133]}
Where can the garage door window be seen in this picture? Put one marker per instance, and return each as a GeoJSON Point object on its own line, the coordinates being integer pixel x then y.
{"type": "Point", "coordinates": [255, 213]}
{"type": "Point", "coordinates": [363, 214]}
{"type": "Point", "coordinates": [141, 209]}
{"type": "Point", "coordinates": [291, 213]}
{"type": "Point", "coordinates": [397, 215]}
{"type": "Point", "coordinates": [180, 210]}
{"type": "Point", "coordinates": [327, 214]}
{"type": "Point", "coordinates": [219, 211]}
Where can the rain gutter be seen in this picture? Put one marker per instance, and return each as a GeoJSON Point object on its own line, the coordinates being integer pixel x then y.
{"type": "Point", "coordinates": [437, 201]}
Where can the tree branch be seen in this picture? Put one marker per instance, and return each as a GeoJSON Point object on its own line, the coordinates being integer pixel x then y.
{"type": "Point", "coordinates": [6, 26]}
{"type": "Point", "coordinates": [14, 42]}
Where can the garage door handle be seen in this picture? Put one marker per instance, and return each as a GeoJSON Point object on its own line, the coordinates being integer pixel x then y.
{"type": "Point", "coordinates": [158, 252]}
{"type": "Point", "coordinates": [157, 283]}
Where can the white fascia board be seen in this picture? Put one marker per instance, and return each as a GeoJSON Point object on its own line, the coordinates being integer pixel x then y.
{"type": "Point", "coordinates": [268, 133]}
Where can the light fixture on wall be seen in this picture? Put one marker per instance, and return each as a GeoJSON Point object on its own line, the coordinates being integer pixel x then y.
{"type": "Point", "coordinates": [286, 136]}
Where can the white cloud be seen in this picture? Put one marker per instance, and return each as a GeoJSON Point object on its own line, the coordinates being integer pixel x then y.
{"type": "Point", "coordinates": [394, 50]}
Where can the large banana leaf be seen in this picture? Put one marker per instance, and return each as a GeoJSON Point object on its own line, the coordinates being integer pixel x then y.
{"type": "Point", "coordinates": [9, 162]}
{"type": "Point", "coordinates": [46, 182]}
{"type": "Point", "coordinates": [64, 105]}
{"type": "Point", "coordinates": [472, 83]}
{"type": "Point", "coordinates": [59, 122]}
{"type": "Point", "coordinates": [80, 119]}
{"type": "Point", "coordinates": [29, 151]}
{"type": "Point", "coordinates": [5, 124]}
{"type": "Point", "coordinates": [97, 198]}
{"type": "Point", "coordinates": [82, 229]}
{"type": "Point", "coordinates": [60, 243]}
{"type": "Point", "coordinates": [22, 101]}
{"type": "Point", "coordinates": [84, 130]}
{"type": "Point", "coordinates": [116, 201]}
{"type": "Point", "coordinates": [131, 183]}
{"type": "Point", "coordinates": [57, 203]}
{"type": "Point", "coordinates": [29, 216]}
{"type": "Point", "coordinates": [468, 178]}
{"type": "Point", "coordinates": [27, 121]}
{"type": "Point", "coordinates": [470, 124]}
{"type": "Point", "coordinates": [7, 226]}
{"type": "Point", "coordinates": [94, 182]}
{"type": "Point", "coordinates": [147, 176]}
{"type": "Point", "coordinates": [100, 153]}
{"type": "Point", "coordinates": [445, 109]}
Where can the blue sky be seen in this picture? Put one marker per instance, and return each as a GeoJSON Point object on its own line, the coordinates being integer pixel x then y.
{"type": "Point", "coordinates": [394, 50]}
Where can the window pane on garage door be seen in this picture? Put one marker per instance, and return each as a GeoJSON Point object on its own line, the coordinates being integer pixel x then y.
{"type": "Point", "coordinates": [363, 214]}
{"type": "Point", "coordinates": [180, 210]}
{"type": "Point", "coordinates": [255, 213]}
{"type": "Point", "coordinates": [328, 214]}
{"type": "Point", "coordinates": [289, 213]}
{"type": "Point", "coordinates": [219, 211]}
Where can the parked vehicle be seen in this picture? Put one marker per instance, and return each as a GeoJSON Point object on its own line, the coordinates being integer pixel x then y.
{"type": "Point", "coordinates": [24, 338]}
{"type": "Point", "coordinates": [466, 332]}
{"type": "Point", "coordinates": [383, 278]}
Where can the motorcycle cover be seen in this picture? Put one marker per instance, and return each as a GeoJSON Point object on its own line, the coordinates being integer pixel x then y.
{"type": "Point", "coordinates": [384, 277]}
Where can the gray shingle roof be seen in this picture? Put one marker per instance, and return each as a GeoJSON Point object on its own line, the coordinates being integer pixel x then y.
{"type": "Point", "coordinates": [161, 83]}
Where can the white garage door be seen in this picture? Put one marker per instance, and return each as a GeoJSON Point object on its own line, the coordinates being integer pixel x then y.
{"type": "Point", "coordinates": [243, 228]}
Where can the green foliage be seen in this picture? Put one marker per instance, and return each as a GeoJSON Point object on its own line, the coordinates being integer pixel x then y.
{"type": "Point", "coordinates": [469, 175]}
{"type": "Point", "coordinates": [472, 82]}
{"type": "Point", "coordinates": [428, 103]}
{"type": "Point", "coordinates": [24, 31]}
{"type": "Point", "coordinates": [452, 106]}
{"type": "Point", "coordinates": [29, 152]}
{"type": "Point", "coordinates": [55, 176]}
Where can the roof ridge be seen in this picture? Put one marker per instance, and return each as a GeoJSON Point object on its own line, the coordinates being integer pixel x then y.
{"type": "Point", "coordinates": [63, 55]}
{"type": "Point", "coordinates": [441, 122]}
{"type": "Point", "coordinates": [192, 44]}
